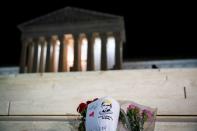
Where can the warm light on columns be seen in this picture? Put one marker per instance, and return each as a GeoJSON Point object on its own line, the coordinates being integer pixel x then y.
{"type": "Point", "coordinates": [110, 52]}
{"type": "Point", "coordinates": [45, 55]}
{"type": "Point", "coordinates": [70, 51]}
{"type": "Point", "coordinates": [38, 60]}
{"type": "Point", "coordinates": [97, 53]}
{"type": "Point", "coordinates": [84, 47]}
{"type": "Point", "coordinates": [57, 52]}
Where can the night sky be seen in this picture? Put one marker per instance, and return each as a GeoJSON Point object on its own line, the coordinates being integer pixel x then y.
{"type": "Point", "coordinates": [154, 30]}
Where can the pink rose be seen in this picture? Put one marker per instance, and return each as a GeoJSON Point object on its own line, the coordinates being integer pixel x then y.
{"type": "Point", "coordinates": [130, 107]}
{"type": "Point", "coordinates": [148, 113]}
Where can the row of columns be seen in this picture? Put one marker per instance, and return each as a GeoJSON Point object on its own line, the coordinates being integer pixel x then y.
{"type": "Point", "coordinates": [47, 47]}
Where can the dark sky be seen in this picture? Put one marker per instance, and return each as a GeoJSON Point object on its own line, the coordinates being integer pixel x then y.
{"type": "Point", "coordinates": [154, 30]}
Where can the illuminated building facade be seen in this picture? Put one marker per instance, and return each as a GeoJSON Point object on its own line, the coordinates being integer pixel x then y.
{"type": "Point", "coordinates": [72, 39]}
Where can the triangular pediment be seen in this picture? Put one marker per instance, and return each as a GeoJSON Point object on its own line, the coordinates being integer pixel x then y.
{"type": "Point", "coordinates": [69, 15]}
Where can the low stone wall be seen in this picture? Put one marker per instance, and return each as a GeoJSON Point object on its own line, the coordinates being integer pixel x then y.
{"type": "Point", "coordinates": [36, 97]}
{"type": "Point", "coordinates": [187, 63]}
{"type": "Point", "coordinates": [9, 70]}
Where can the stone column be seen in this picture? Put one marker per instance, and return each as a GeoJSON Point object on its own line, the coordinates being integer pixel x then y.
{"type": "Point", "coordinates": [103, 51]}
{"type": "Point", "coordinates": [118, 50]}
{"type": "Point", "coordinates": [90, 59]}
{"type": "Point", "coordinates": [48, 54]}
{"type": "Point", "coordinates": [77, 53]}
{"type": "Point", "coordinates": [42, 55]}
{"type": "Point", "coordinates": [23, 56]}
{"type": "Point", "coordinates": [35, 60]}
{"type": "Point", "coordinates": [30, 56]}
{"type": "Point", "coordinates": [53, 44]}
{"type": "Point", "coordinates": [63, 54]}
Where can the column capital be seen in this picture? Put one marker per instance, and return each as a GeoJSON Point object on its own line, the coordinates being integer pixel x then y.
{"type": "Point", "coordinates": [76, 36]}
{"type": "Point", "coordinates": [103, 35]}
{"type": "Point", "coordinates": [26, 41]}
{"type": "Point", "coordinates": [95, 34]}
{"type": "Point", "coordinates": [89, 35]}
{"type": "Point", "coordinates": [48, 38]}
{"type": "Point", "coordinates": [110, 34]}
{"type": "Point", "coordinates": [35, 39]}
{"type": "Point", "coordinates": [117, 35]}
{"type": "Point", "coordinates": [61, 36]}
{"type": "Point", "coordinates": [54, 39]}
{"type": "Point", "coordinates": [42, 39]}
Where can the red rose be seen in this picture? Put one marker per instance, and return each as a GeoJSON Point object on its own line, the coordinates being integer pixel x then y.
{"type": "Point", "coordinates": [81, 107]}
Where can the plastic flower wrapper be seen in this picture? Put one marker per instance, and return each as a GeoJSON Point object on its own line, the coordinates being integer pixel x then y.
{"type": "Point", "coordinates": [82, 109]}
{"type": "Point", "coordinates": [136, 117]}
{"type": "Point", "coordinates": [102, 115]}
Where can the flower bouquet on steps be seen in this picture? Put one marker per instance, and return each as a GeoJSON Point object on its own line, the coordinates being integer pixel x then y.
{"type": "Point", "coordinates": [136, 117]}
{"type": "Point", "coordinates": [107, 114]}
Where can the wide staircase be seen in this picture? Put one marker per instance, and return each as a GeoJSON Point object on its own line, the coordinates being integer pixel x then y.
{"type": "Point", "coordinates": [48, 101]}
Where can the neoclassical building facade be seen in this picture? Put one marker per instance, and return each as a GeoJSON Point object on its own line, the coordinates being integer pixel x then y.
{"type": "Point", "coordinates": [72, 39]}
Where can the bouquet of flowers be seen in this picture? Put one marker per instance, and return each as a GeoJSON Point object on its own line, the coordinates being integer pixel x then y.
{"type": "Point", "coordinates": [135, 117]}
{"type": "Point", "coordinates": [122, 116]}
